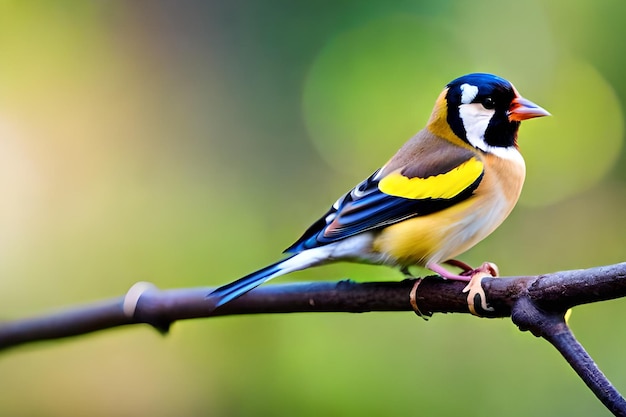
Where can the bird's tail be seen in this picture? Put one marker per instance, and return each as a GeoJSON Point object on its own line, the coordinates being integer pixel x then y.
{"type": "Point", "coordinates": [235, 289]}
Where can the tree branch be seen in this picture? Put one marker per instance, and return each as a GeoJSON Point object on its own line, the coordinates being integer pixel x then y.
{"type": "Point", "coordinates": [552, 327]}
{"type": "Point", "coordinates": [534, 303]}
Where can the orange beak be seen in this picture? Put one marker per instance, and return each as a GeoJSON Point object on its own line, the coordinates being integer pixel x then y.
{"type": "Point", "coordinates": [522, 109]}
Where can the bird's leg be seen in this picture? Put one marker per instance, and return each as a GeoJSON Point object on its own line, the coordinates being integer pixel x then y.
{"type": "Point", "coordinates": [487, 267]}
{"type": "Point", "coordinates": [447, 274]}
{"type": "Point", "coordinates": [461, 265]}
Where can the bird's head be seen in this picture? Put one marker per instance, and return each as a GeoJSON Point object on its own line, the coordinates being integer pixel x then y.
{"type": "Point", "coordinates": [482, 110]}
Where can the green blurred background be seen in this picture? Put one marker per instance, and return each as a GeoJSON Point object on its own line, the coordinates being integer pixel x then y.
{"type": "Point", "coordinates": [187, 143]}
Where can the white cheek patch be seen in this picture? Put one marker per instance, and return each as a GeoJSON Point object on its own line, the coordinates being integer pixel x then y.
{"type": "Point", "coordinates": [468, 93]}
{"type": "Point", "coordinates": [476, 119]}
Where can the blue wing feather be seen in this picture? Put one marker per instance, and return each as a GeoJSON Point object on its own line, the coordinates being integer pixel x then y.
{"type": "Point", "coordinates": [367, 208]}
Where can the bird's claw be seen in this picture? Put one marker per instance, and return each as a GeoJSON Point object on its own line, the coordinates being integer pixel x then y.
{"type": "Point", "coordinates": [476, 296]}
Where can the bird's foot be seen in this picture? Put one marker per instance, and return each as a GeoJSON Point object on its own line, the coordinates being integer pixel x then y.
{"type": "Point", "coordinates": [488, 268]}
{"type": "Point", "coordinates": [468, 272]}
{"type": "Point", "coordinates": [476, 298]}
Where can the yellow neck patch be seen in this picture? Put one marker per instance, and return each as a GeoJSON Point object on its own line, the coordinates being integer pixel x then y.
{"type": "Point", "coordinates": [446, 185]}
{"type": "Point", "coordinates": [438, 122]}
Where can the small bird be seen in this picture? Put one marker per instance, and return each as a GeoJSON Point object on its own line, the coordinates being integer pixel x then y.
{"type": "Point", "coordinates": [445, 190]}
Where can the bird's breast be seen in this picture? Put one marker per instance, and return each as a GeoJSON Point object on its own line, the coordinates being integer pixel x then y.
{"type": "Point", "coordinates": [447, 233]}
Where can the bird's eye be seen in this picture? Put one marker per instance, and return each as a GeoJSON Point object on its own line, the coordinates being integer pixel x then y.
{"type": "Point", "coordinates": [489, 103]}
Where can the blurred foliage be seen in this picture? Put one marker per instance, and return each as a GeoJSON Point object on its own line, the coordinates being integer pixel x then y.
{"type": "Point", "coordinates": [186, 143]}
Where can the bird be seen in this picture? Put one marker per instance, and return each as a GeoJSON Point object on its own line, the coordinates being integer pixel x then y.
{"type": "Point", "coordinates": [445, 190]}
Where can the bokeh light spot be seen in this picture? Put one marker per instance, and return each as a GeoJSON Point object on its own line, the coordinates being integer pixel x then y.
{"type": "Point", "coordinates": [370, 89]}
{"type": "Point", "coordinates": [572, 150]}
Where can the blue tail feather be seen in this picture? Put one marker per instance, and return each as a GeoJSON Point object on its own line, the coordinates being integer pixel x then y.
{"type": "Point", "coordinates": [235, 289]}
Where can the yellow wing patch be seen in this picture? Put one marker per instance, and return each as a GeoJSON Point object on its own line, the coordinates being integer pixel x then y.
{"type": "Point", "coordinates": [446, 185]}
